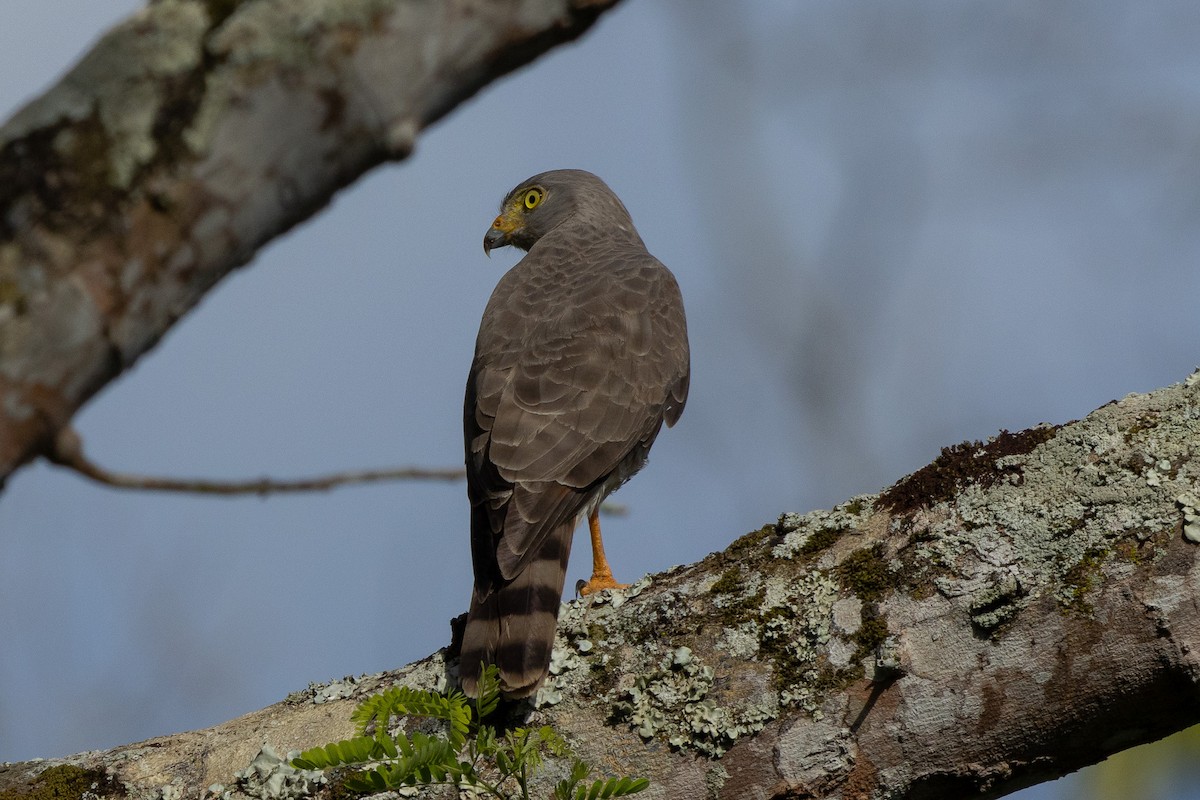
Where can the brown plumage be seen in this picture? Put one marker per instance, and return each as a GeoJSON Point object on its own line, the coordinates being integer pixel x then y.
{"type": "Point", "coordinates": [582, 355]}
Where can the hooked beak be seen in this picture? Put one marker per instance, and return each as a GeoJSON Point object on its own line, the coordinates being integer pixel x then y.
{"type": "Point", "coordinates": [501, 232]}
{"type": "Point", "coordinates": [495, 237]}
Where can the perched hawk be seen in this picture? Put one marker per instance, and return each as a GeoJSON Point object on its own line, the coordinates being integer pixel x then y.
{"type": "Point", "coordinates": [582, 355]}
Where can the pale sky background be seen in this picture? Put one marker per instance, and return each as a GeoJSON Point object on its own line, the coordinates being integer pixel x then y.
{"type": "Point", "coordinates": [897, 225]}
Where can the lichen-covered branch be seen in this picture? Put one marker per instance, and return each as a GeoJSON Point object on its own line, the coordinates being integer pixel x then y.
{"type": "Point", "coordinates": [1014, 611]}
{"type": "Point", "coordinates": [192, 134]}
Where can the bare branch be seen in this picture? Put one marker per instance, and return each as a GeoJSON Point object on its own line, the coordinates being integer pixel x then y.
{"type": "Point", "coordinates": [68, 452]}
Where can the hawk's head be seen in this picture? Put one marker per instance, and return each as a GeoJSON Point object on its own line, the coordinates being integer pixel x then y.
{"type": "Point", "coordinates": [542, 203]}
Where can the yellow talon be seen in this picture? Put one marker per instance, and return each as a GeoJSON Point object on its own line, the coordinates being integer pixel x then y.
{"type": "Point", "coordinates": [602, 577]}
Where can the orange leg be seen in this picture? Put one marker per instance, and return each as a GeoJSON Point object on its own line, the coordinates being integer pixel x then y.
{"type": "Point", "coordinates": [602, 577]}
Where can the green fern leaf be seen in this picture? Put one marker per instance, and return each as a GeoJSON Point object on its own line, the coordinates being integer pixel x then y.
{"type": "Point", "coordinates": [613, 787]}
{"type": "Point", "coordinates": [388, 745]}
{"type": "Point", "coordinates": [428, 762]}
{"type": "Point", "coordinates": [550, 739]}
{"type": "Point", "coordinates": [460, 721]}
{"type": "Point", "coordinates": [347, 751]}
{"type": "Point", "coordinates": [565, 789]}
{"type": "Point", "coordinates": [311, 759]}
{"type": "Point", "coordinates": [401, 701]}
{"type": "Point", "coordinates": [627, 786]}
{"type": "Point", "coordinates": [369, 782]}
{"type": "Point", "coordinates": [485, 741]}
{"type": "Point", "coordinates": [503, 762]}
{"type": "Point", "coordinates": [364, 749]}
{"type": "Point", "coordinates": [370, 709]}
{"type": "Point", "coordinates": [489, 691]}
{"type": "Point", "coordinates": [420, 759]}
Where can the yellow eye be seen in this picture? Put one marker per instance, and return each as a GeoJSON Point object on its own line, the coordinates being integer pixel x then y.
{"type": "Point", "coordinates": [533, 197]}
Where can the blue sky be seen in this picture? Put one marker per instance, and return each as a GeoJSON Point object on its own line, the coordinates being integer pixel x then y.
{"type": "Point", "coordinates": [896, 226]}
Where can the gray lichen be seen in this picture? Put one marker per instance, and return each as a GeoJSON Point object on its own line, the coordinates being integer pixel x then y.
{"type": "Point", "coordinates": [599, 659]}
{"type": "Point", "coordinates": [672, 701]}
{"type": "Point", "coordinates": [1086, 496]}
{"type": "Point", "coordinates": [120, 83]}
{"type": "Point", "coordinates": [808, 534]}
{"type": "Point", "coordinates": [318, 693]}
{"type": "Point", "coordinates": [577, 657]}
{"type": "Point", "coordinates": [271, 777]}
{"type": "Point", "coordinates": [428, 674]}
{"type": "Point", "coordinates": [741, 641]}
{"type": "Point", "coordinates": [282, 31]}
{"type": "Point", "coordinates": [1188, 504]}
{"type": "Point", "coordinates": [797, 619]}
{"type": "Point", "coordinates": [1000, 602]}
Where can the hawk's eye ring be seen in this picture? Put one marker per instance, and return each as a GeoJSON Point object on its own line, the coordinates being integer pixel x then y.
{"type": "Point", "coordinates": [532, 198]}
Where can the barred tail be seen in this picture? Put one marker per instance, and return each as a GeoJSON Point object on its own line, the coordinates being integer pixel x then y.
{"type": "Point", "coordinates": [512, 624]}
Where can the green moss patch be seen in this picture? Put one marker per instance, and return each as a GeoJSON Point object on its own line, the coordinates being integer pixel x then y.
{"type": "Point", "coordinates": [789, 668]}
{"type": "Point", "coordinates": [67, 782]}
{"type": "Point", "coordinates": [820, 540]}
{"type": "Point", "coordinates": [746, 545]}
{"type": "Point", "coordinates": [1080, 580]}
{"type": "Point", "coordinates": [865, 573]}
{"type": "Point", "coordinates": [871, 634]}
{"type": "Point", "coordinates": [730, 581]}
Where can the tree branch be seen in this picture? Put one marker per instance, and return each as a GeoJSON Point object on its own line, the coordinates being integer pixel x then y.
{"type": "Point", "coordinates": [191, 135]}
{"type": "Point", "coordinates": [68, 452]}
{"type": "Point", "coordinates": [1016, 610]}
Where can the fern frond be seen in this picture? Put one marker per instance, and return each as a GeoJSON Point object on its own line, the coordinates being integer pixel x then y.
{"type": "Point", "coordinates": [613, 787]}
{"type": "Point", "coordinates": [526, 749]}
{"type": "Point", "coordinates": [430, 761]}
{"type": "Point", "coordinates": [486, 743]}
{"type": "Point", "coordinates": [557, 745]}
{"type": "Point", "coordinates": [504, 763]}
{"type": "Point", "coordinates": [402, 701]}
{"type": "Point", "coordinates": [565, 789]}
{"type": "Point", "coordinates": [388, 762]}
{"type": "Point", "coordinates": [459, 717]}
{"type": "Point", "coordinates": [375, 707]}
{"type": "Point", "coordinates": [368, 782]}
{"type": "Point", "coordinates": [489, 691]}
{"type": "Point", "coordinates": [574, 788]}
{"type": "Point", "coordinates": [359, 750]}
{"type": "Point", "coordinates": [390, 745]}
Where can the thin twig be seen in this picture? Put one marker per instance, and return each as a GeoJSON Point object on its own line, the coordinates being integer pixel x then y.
{"type": "Point", "coordinates": [68, 452]}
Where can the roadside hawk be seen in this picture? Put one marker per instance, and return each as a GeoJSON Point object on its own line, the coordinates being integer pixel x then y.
{"type": "Point", "coordinates": [582, 355]}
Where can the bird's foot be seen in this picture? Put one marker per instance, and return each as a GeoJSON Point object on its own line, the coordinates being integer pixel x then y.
{"type": "Point", "coordinates": [597, 583]}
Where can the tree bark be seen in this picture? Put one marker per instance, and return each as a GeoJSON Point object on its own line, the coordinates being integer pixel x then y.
{"type": "Point", "coordinates": [1013, 611]}
{"type": "Point", "coordinates": [192, 134]}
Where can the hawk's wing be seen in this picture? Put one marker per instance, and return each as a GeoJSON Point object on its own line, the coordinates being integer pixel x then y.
{"type": "Point", "coordinates": [576, 368]}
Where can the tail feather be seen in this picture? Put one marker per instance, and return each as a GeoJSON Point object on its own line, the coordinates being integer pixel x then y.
{"type": "Point", "coordinates": [511, 624]}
